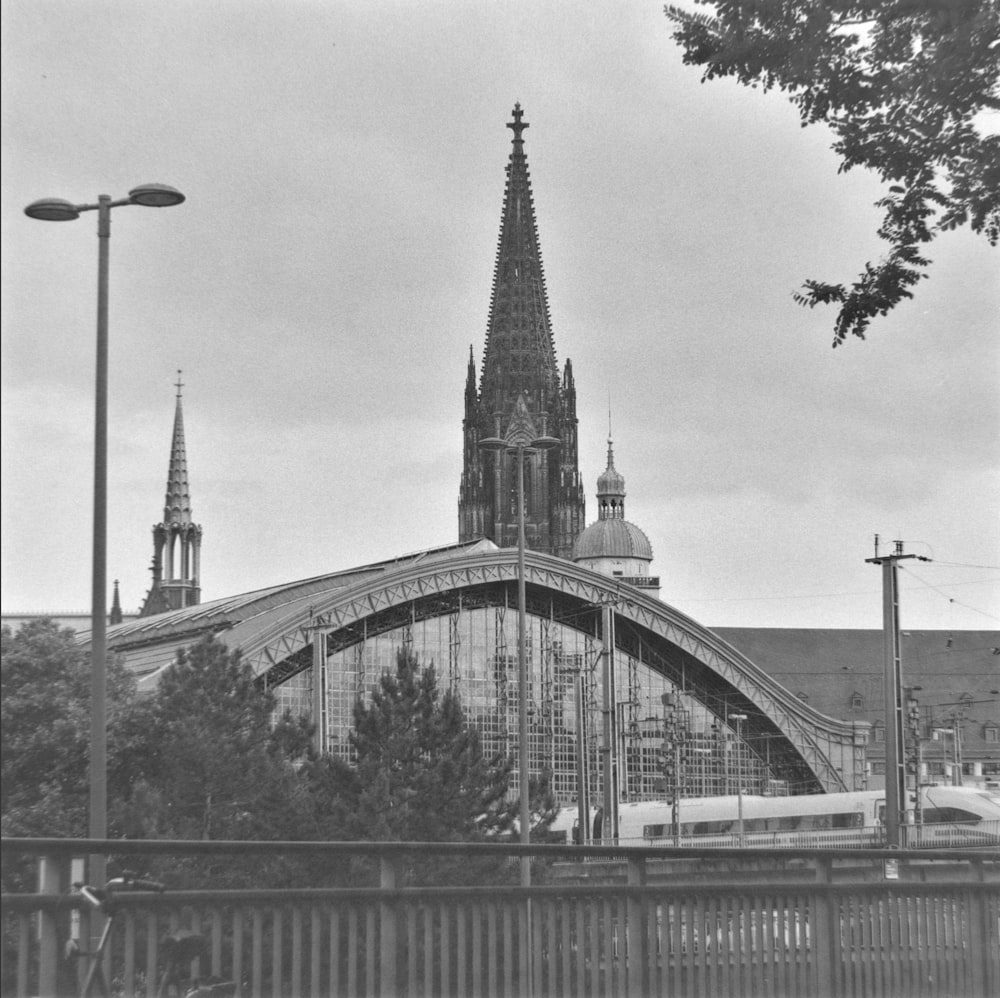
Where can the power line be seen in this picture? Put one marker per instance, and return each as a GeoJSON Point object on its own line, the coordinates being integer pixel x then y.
{"type": "Point", "coordinates": [942, 593]}
{"type": "Point", "coordinates": [803, 596]}
{"type": "Point", "coordinates": [958, 564]}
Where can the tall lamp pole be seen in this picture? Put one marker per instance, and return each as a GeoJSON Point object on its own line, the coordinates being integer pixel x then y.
{"type": "Point", "coordinates": [58, 210]}
{"type": "Point", "coordinates": [739, 719]}
{"type": "Point", "coordinates": [521, 439]}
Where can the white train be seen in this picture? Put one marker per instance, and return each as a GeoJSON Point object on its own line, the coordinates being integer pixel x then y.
{"type": "Point", "coordinates": [950, 817]}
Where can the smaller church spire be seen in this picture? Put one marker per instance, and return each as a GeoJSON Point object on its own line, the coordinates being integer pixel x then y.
{"type": "Point", "coordinates": [177, 505]}
{"type": "Point", "coordinates": [177, 539]}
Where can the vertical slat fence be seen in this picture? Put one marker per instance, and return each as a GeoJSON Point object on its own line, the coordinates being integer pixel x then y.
{"type": "Point", "coordinates": [589, 936]}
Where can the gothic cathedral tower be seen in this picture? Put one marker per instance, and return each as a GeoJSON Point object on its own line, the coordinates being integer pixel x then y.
{"type": "Point", "coordinates": [519, 362]}
{"type": "Point", "coordinates": [177, 540]}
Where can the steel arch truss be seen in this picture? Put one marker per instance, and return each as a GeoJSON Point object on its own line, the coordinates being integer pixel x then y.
{"type": "Point", "coordinates": [811, 747]}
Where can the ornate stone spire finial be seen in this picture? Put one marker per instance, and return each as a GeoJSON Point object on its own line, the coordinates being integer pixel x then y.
{"type": "Point", "coordinates": [517, 126]}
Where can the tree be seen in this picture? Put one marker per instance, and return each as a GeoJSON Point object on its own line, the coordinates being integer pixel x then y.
{"type": "Point", "coordinates": [900, 83]}
{"type": "Point", "coordinates": [206, 761]}
{"type": "Point", "coordinates": [45, 729]}
{"type": "Point", "coordinates": [420, 774]}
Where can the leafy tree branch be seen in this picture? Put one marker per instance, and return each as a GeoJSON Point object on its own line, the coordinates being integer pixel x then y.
{"type": "Point", "coordinates": [900, 84]}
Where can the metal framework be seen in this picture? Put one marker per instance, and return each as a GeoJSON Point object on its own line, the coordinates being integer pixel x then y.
{"type": "Point", "coordinates": [802, 744]}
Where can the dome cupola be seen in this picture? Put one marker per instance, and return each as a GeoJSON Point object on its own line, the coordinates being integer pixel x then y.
{"type": "Point", "coordinates": [612, 545]}
{"type": "Point", "coordinates": [611, 490]}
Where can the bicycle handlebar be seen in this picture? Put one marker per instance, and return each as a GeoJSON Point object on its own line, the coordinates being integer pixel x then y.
{"type": "Point", "coordinates": [138, 884]}
{"type": "Point", "coordinates": [100, 896]}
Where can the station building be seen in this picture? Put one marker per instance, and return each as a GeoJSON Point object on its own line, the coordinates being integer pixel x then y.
{"type": "Point", "coordinates": [614, 672]}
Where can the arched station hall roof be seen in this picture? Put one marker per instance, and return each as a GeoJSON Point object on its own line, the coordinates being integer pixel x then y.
{"type": "Point", "coordinates": [274, 628]}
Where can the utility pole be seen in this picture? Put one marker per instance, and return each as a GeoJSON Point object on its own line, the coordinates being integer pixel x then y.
{"type": "Point", "coordinates": [892, 680]}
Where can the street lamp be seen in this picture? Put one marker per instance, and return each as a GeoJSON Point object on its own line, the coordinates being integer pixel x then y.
{"type": "Point", "coordinates": [58, 210]}
{"type": "Point", "coordinates": [739, 719]}
{"type": "Point", "coordinates": [521, 439]}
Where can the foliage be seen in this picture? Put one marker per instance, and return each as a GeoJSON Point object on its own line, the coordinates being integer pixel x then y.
{"type": "Point", "coordinates": [900, 83]}
{"type": "Point", "coordinates": [421, 774]}
{"type": "Point", "coordinates": [200, 758]}
{"type": "Point", "coordinates": [205, 762]}
{"type": "Point", "coordinates": [45, 726]}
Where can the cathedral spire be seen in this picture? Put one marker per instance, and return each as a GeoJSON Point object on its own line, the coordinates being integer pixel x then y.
{"type": "Point", "coordinates": [519, 362]}
{"type": "Point", "coordinates": [177, 539]}
{"type": "Point", "coordinates": [520, 353]}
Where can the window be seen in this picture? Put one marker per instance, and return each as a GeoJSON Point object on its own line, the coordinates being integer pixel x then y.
{"type": "Point", "coordinates": [857, 701]}
{"type": "Point", "coordinates": [935, 815]}
{"type": "Point", "coordinates": [878, 733]}
{"type": "Point", "coordinates": [804, 697]}
{"type": "Point", "coordinates": [991, 734]}
{"type": "Point", "coordinates": [878, 769]}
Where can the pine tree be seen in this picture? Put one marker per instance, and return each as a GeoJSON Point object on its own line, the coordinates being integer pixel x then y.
{"type": "Point", "coordinates": [208, 763]}
{"type": "Point", "coordinates": [420, 774]}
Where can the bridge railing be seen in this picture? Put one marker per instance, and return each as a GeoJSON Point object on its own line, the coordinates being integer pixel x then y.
{"type": "Point", "coordinates": [678, 921]}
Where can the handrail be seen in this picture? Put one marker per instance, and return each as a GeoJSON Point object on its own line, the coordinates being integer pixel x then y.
{"type": "Point", "coordinates": [148, 847]}
{"type": "Point", "coordinates": [642, 919]}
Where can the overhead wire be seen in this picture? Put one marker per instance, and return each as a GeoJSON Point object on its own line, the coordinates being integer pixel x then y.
{"type": "Point", "coordinates": [942, 593]}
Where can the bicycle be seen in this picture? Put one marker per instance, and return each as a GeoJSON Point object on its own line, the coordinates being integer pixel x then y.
{"type": "Point", "coordinates": [179, 948]}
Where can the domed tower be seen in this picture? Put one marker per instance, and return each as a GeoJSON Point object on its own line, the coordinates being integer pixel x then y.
{"type": "Point", "coordinates": [519, 367]}
{"type": "Point", "coordinates": [612, 545]}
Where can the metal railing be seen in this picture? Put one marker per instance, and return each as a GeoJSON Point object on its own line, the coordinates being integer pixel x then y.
{"type": "Point", "coordinates": [680, 921]}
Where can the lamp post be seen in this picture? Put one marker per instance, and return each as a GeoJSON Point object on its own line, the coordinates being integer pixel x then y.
{"type": "Point", "coordinates": [58, 210]}
{"type": "Point", "coordinates": [521, 440]}
{"type": "Point", "coordinates": [739, 719]}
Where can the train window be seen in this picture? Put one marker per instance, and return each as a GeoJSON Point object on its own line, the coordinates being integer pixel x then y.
{"type": "Point", "coordinates": [850, 819]}
{"type": "Point", "coordinates": [817, 820]}
{"type": "Point", "coordinates": [714, 827]}
{"type": "Point", "coordinates": [786, 823]}
{"type": "Point", "coordinates": [935, 815]}
{"type": "Point", "coordinates": [654, 831]}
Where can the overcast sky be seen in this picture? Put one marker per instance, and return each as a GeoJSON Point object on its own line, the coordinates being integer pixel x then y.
{"type": "Point", "coordinates": [343, 164]}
